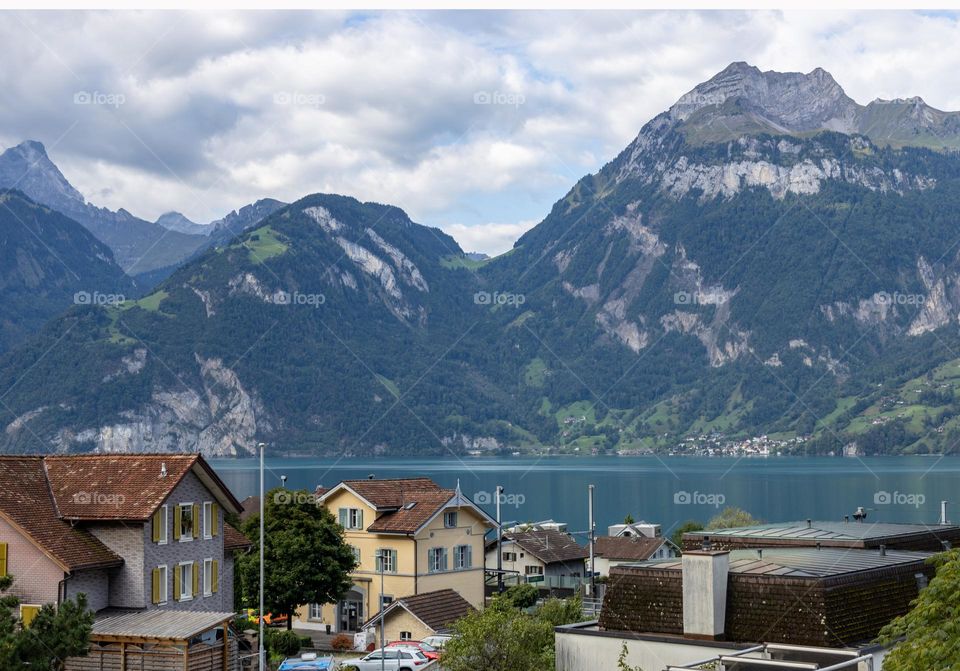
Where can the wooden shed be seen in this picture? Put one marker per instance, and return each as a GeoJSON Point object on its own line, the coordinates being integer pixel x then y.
{"type": "Point", "coordinates": [160, 640]}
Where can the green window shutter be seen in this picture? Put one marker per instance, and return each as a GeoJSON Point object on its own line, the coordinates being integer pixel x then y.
{"type": "Point", "coordinates": [177, 522]}
{"type": "Point", "coordinates": [197, 517]}
{"type": "Point", "coordinates": [3, 559]}
{"type": "Point", "coordinates": [196, 579]}
{"type": "Point", "coordinates": [215, 573]}
{"type": "Point", "coordinates": [155, 583]}
{"type": "Point", "coordinates": [469, 560]}
{"type": "Point", "coordinates": [177, 582]}
{"type": "Point", "coordinates": [215, 518]}
{"type": "Point", "coordinates": [360, 518]}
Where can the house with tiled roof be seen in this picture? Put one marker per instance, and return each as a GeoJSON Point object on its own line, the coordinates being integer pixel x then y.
{"type": "Point", "coordinates": [139, 532]}
{"type": "Point", "coordinates": [425, 538]}
{"type": "Point", "coordinates": [413, 618]}
{"type": "Point", "coordinates": [610, 551]}
{"type": "Point", "coordinates": [546, 556]}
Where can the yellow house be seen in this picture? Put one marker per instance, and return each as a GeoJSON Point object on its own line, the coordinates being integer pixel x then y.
{"type": "Point", "coordinates": [430, 539]}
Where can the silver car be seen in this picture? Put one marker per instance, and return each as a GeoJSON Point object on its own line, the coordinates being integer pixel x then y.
{"type": "Point", "coordinates": [392, 659]}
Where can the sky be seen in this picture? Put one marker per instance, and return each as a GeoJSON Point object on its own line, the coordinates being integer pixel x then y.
{"type": "Point", "coordinates": [474, 122]}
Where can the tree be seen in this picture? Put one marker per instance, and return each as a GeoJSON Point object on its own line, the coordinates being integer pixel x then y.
{"type": "Point", "coordinates": [522, 595]}
{"type": "Point", "coordinates": [731, 517]}
{"type": "Point", "coordinates": [54, 634]}
{"type": "Point", "coordinates": [931, 630]}
{"type": "Point", "coordinates": [628, 519]}
{"type": "Point", "coordinates": [559, 612]}
{"type": "Point", "coordinates": [687, 527]}
{"type": "Point", "coordinates": [305, 557]}
{"type": "Point", "coordinates": [500, 638]}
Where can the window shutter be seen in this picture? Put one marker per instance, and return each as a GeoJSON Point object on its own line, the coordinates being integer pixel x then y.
{"type": "Point", "coordinates": [155, 585]}
{"type": "Point", "coordinates": [27, 613]}
{"type": "Point", "coordinates": [197, 517]}
{"type": "Point", "coordinates": [3, 559]}
{"type": "Point", "coordinates": [469, 561]}
{"type": "Point", "coordinates": [156, 526]}
{"type": "Point", "coordinates": [215, 518]}
{"type": "Point", "coordinates": [196, 579]}
{"type": "Point", "coordinates": [177, 582]}
{"type": "Point", "coordinates": [177, 522]}
{"type": "Point", "coordinates": [215, 573]}
{"type": "Point", "coordinates": [344, 513]}
{"type": "Point", "coordinates": [443, 559]}
{"type": "Point", "coordinates": [360, 518]}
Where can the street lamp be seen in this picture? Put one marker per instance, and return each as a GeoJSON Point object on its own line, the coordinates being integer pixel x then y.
{"type": "Point", "coordinates": [381, 554]}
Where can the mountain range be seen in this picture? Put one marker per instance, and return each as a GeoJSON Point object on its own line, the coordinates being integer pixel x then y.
{"type": "Point", "coordinates": [767, 256]}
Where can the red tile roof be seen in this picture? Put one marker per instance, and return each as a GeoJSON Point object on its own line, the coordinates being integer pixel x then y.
{"type": "Point", "coordinates": [629, 548]}
{"type": "Point", "coordinates": [408, 519]}
{"type": "Point", "coordinates": [233, 539]}
{"type": "Point", "coordinates": [393, 493]}
{"type": "Point", "coordinates": [25, 501]}
{"type": "Point", "coordinates": [549, 546]}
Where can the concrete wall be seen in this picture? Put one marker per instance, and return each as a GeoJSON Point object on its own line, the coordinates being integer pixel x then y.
{"type": "Point", "coordinates": [95, 584]}
{"type": "Point", "coordinates": [36, 576]}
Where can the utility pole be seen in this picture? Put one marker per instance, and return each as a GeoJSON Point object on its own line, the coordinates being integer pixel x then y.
{"type": "Point", "coordinates": [383, 640]}
{"type": "Point", "coordinates": [260, 641]}
{"type": "Point", "coordinates": [499, 542]}
{"type": "Point", "coordinates": [590, 534]}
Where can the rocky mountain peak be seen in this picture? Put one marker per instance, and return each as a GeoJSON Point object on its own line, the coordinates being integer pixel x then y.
{"type": "Point", "coordinates": [28, 168]}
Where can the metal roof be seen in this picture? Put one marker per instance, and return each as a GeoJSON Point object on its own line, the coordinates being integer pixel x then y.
{"type": "Point", "coordinates": [827, 531]}
{"type": "Point", "coordinates": [803, 562]}
{"type": "Point", "coordinates": [164, 624]}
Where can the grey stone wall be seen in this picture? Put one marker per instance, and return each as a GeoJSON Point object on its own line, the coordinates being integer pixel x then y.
{"type": "Point", "coordinates": [126, 582]}
{"type": "Point", "coordinates": [95, 584]}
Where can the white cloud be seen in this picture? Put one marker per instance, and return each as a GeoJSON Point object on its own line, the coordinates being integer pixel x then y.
{"type": "Point", "coordinates": [221, 109]}
{"type": "Point", "coordinates": [490, 239]}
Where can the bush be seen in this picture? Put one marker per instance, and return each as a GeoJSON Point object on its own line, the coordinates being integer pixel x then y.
{"type": "Point", "coordinates": [342, 643]}
{"type": "Point", "coordinates": [283, 642]}
{"type": "Point", "coordinates": [306, 642]}
{"type": "Point", "coordinates": [523, 595]}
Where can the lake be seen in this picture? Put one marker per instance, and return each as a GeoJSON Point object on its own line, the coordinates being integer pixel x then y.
{"type": "Point", "coordinates": [667, 490]}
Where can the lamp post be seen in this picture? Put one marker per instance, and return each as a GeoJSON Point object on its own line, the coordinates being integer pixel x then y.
{"type": "Point", "coordinates": [263, 651]}
{"type": "Point", "coordinates": [383, 641]}
{"type": "Point", "coordinates": [499, 495]}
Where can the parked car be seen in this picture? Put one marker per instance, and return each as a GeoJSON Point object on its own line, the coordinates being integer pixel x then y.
{"type": "Point", "coordinates": [308, 661]}
{"type": "Point", "coordinates": [393, 659]}
{"type": "Point", "coordinates": [437, 641]}
{"type": "Point", "coordinates": [427, 649]}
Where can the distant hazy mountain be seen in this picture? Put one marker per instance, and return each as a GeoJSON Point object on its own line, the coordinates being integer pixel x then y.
{"type": "Point", "coordinates": [174, 221]}
{"type": "Point", "coordinates": [138, 245]}
{"type": "Point", "coordinates": [767, 256]}
{"type": "Point", "coordinates": [48, 263]}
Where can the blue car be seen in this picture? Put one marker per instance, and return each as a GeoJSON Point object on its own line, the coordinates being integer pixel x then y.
{"type": "Point", "coordinates": [307, 662]}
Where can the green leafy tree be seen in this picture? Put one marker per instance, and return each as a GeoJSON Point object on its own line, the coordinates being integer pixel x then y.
{"type": "Point", "coordinates": [931, 630]}
{"type": "Point", "coordinates": [687, 527]}
{"type": "Point", "coordinates": [559, 612]}
{"type": "Point", "coordinates": [500, 638]}
{"type": "Point", "coordinates": [522, 595]}
{"type": "Point", "coordinates": [305, 557]}
{"type": "Point", "coordinates": [628, 519]}
{"type": "Point", "coordinates": [54, 634]}
{"type": "Point", "coordinates": [731, 517]}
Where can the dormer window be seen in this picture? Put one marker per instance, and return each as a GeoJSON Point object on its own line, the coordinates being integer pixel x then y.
{"type": "Point", "coordinates": [450, 519]}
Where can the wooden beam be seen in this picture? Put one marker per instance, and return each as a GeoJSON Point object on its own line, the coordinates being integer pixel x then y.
{"type": "Point", "coordinates": [123, 656]}
{"type": "Point", "coordinates": [226, 645]}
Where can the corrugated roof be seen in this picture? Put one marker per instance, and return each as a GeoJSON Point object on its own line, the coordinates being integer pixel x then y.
{"type": "Point", "coordinates": [825, 531]}
{"type": "Point", "coordinates": [159, 623]}
{"type": "Point", "coordinates": [25, 501]}
{"type": "Point", "coordinates": [804, 562]}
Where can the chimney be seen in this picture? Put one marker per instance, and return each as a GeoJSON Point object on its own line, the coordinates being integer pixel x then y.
{"type": "Point", "coordinates": [809, 523]}
{"type": "Point", "coordinates": [705, 575]}
{"type": "Point", "coordinates": [883, 550]}
{"type": "Point", "coordinates": [163, 469]}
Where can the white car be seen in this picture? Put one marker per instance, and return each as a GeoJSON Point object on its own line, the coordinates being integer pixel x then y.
{"type": "Point", "coordinates": [393, 659]}
{"type": "Point", "coordinates": [438, 641]}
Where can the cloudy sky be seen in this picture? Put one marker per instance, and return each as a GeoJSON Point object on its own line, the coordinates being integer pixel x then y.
{"type": "Point", "coordinates": [475, 122]}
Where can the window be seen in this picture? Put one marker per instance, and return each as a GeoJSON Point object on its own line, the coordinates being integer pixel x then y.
{"type": "Point", "coordinates": [462, 557]}
{"type": "Point", "coordinates": [159, 580]}
{"type": "Point", "coordinates": [316, 612]}
{"type": "Point", "coordinates": [534, 570]}
{"type": "Point", "coordinates": [351, 518]}
{"type": "Point", "coordinates": [450, 519]}
{"type": "Point", "coordinates": [509, 556]}
{"type": "Point", "coordinates": [406, 636]}
{"type": "Point", "coordinates": [160, 522]}
{"type": "Point", "coordinates": [356, 554]}
{"type": "Point", "coordinates": [185, 580]}
{"type": "Point", "coordinates": [436, 559]}
{"type": "Point", "coordinates": [389, 560]}
{"type": "Point", "coordinates": [207, 519]}
{"type": "Point", "coordinates": [184, 526]}
{"type": "Point", "coordinates": [208, 577]}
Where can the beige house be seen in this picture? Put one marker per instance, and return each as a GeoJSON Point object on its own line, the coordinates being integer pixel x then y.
{"type": "Point", "coordinates": [413, 618]}
{"type": "Point", "coordinates": [430, 539]}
